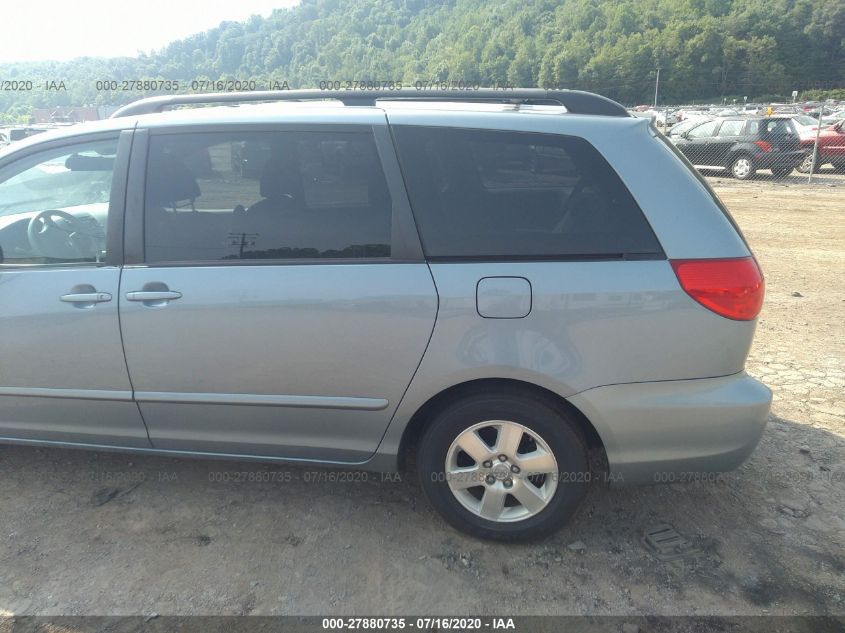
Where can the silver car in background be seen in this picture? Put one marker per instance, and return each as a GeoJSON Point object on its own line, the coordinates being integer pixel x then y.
{"type": "Point", "coordinates": [493, 287]}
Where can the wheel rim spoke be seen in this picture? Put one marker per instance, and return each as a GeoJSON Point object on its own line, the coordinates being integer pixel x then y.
{"type": "Point", "coordinates": [492, 503]}
{"type": "Point", "coordinates": [463, 478]}
{"type": "Point", "coordinates": [471, 444]}
{"type": "Point", "coordinates": [538, 462]}
{"type": "Point", "coordinates": [510, 435]}
{"type": "Point", "coordinates": [529, 496]}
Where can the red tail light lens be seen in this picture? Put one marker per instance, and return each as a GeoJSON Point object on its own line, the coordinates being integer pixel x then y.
{"type": "Point", "coordinates": [764, 145]}
{"type": "Point", "coordinates": [732, 288]}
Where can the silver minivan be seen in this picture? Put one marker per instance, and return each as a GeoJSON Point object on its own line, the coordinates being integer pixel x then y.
{"type": "Point", "coordinates": [487, 285]}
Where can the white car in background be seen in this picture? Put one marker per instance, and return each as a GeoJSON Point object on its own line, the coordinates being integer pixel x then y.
{"type": "Point", "coordinates": [836, 116]}
{"type": "Point", "coordinates": [693, 114]}
{"type": "Point", "coordinates": [806, 124]}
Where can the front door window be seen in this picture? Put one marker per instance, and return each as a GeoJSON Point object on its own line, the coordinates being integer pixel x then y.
{"type": "Point", "coordinates": [54, 205]}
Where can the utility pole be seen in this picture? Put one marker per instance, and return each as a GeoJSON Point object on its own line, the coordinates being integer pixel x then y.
{"type": "Point", "coordinates": [656, 86]}
{"type": "Point", "coordinates": [242, 240]}
{"type": "Point", "coordinates": [816, 146]}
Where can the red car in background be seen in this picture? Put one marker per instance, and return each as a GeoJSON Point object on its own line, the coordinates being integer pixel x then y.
{"type": "Point", "coordinates": [831, 148]}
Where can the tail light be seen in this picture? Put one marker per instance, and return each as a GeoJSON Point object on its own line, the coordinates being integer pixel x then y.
{"type": "Point", "coordinates": [732, 288]}
{"type": "Point", "coordinates": [764, 145]}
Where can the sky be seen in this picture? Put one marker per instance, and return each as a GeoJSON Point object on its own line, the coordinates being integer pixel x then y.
{"type": "Point", "coordinates": [36, 30]}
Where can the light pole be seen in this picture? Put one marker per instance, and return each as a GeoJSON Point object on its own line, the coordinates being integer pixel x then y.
{"type": "Point", "coordinates": [816, 145]}
{"type": "Point", "coordinates": [656, 86]}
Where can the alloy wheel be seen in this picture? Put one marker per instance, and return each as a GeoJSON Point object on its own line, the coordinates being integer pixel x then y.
{"type": "Point", "coordinates": [501, 471]}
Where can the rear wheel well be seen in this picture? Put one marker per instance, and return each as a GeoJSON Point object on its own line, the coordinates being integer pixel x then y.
{"type": "Point", "coordinates": [419, 421]}
{"type": "Point", "coordinates": [741, 153]}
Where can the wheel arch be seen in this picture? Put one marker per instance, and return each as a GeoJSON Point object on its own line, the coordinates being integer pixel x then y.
{"type": "Point", "coordinates": [741, 149]}
{"type": "Point", "coordinates": [428, 410]}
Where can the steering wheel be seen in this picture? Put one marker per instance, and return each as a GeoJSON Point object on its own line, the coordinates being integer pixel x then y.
{"type": "Point", "coordinates": [68, 238]}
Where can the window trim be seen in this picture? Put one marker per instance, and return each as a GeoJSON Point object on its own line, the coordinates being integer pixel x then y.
{"type": "Point", "coordinates": [405, 246]}
{"type": "Point", "coordinates": [659, 254]}
{"type": "Point", "coordinates": [114, 216]}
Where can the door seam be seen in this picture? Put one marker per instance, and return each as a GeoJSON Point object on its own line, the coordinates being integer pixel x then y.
{"type": "Point", "coordinates": [417, 368]}
{"type": "Point", "coordinates": [126, 360]}
{"type": "Point", "coordinates": [120, 289]}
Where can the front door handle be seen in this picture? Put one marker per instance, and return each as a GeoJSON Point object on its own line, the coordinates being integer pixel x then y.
{"type": "Point", "coordinates": [153, 295]}
{"type": "Point", "coordinates": [85, 296]}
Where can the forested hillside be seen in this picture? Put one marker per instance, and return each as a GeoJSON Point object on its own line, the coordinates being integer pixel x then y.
{"type": "Point", "coordinates": [706, 48]}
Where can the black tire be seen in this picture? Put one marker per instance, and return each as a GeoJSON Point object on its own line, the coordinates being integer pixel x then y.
{"type": "Point", "coordinates": [544, 418]}
{"type": "Point", "coordinates": [839, 168]}
{"type": "Point", "coordinates": [781, 172]}
{"type": "Point", "coordinates": [738, 169]}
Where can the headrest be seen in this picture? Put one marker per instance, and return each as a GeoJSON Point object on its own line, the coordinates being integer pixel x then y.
{"type": "Point", "coordinates": [169, 181]}
{"type": "Point", "coordinates": [277, 180]}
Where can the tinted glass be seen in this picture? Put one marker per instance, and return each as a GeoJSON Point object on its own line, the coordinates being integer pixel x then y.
{"type": "Point", "coordinates": [478, 193]}
{"type": "Point", "coordinates": [282, 195]}
{"type": "Point", "coordinates": [770, 127]}
{"type": "Point", "coordinates": [776, 127]}
{"type": "Point", "coordinates": [54, 205]}
{"type": "Point", "coordinates": [704, 130]}
{"type": "Point", "coordinates": [731, 128]}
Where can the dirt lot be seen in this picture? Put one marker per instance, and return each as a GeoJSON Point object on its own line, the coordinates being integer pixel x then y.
{"type": "Point", "coordinates": [86, 533]}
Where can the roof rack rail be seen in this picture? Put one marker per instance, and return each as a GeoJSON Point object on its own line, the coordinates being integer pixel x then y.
{"type": "Point", "coordinates": [575, 101]}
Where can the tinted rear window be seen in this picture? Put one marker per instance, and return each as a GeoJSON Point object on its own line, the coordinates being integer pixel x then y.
{"type": "Point", "coordinates": [771, 127]}
{"type": "Point", "coordinates": [479, 193]}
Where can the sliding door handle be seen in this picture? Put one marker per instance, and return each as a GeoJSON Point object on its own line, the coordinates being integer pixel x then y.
{"type": "Point", "coordinates": [153, 295]}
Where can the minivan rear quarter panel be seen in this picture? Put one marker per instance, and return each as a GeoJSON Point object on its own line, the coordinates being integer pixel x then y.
{"type": "Point", "coordinates": [592, 323]}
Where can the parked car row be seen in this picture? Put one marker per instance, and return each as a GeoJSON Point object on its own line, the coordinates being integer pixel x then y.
{"type": "Point", "coordinates": [18, 133]}
{"type": "Point", "coordinates": [743, 145]}
{"type": "Point", "coordinates": [830, 111]}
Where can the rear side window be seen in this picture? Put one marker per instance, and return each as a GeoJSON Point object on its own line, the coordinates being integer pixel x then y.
{"type": "Point", "coordinates": [705, 130]}
{"type": "Point", "coordinates": [731, 128]}
{"type": "Point", "coordinates": [499, 194]}
{"type": "Point", "coordinates": [265, 196]}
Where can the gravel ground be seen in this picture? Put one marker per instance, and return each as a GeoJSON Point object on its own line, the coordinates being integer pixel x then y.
{"type": "Point", "coordinates": [87, 533]}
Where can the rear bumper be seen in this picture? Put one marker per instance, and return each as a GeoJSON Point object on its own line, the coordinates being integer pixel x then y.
{"type": "Point", "coordinates": [679, 429]}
